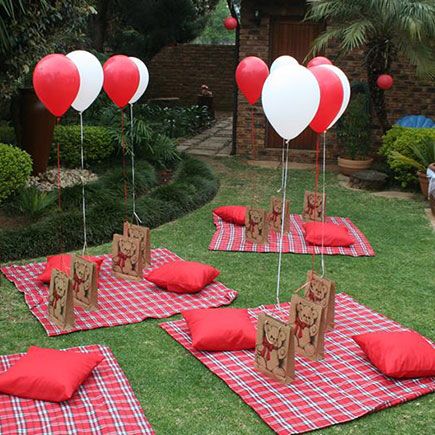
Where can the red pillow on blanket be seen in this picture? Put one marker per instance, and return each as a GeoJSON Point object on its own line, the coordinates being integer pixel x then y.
{"type": "Point", "coordinates": [232, 213]}
{"type": "Point", "coordinates": [404, 354]}
{"type": "Point", "coordinates": [183, 276]}
{"type": "Point", "coordinates": [62, 262]}
{"type": "Point", "coordinates": [220, 329]}
{"type": "Point", "coordinates": [48, 374]}
{"type": "Point", "coordinates": [333, 235]}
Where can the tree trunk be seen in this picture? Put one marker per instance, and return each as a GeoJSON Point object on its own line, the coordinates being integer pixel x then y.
{"type": "Point", "coordinates": [378, 61]}
{"type": "Point", "coordinates": [99, 25]}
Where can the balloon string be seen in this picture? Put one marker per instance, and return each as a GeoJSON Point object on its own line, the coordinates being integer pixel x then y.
{"type": "Point", "coordinates": [133, 169]}
{"type": "Point", "coordinates": [124, 172]}
{"type": "Point", "coordinates": [82, 161]}
{"type": "Point", "coordinates": [282, 166]}
{"type": "Point", "coordinates": [59, 193]}
{"type": "Point", "coordinates": [322, 259]}
{"type": "Point", "coordinates": [316, 187]}
{"type": "Point", "coordinates": [254, 154]}
{"type": "Point", "coordinates": [281, 236]}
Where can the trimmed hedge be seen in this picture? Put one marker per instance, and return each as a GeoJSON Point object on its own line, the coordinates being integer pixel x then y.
{"type": "Point", "coordinates": [97, 144]}
{"type": "Point", "coordinates": [192, 186]}
{"type": "Point", "coordinates": [15, 169]}
{"type": "Point", "coordinates": [399, 139]}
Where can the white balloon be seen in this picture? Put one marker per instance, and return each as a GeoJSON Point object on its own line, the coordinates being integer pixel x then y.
{"type": "Point", "coordinates": [346, 91]}
{"type": "Point", "coordinates": [91, 78]}
{"type": "Point", "coordinates": [290, 98]}
{"type": "Point", "coordinates": [144, 78]}
{"type": "Point", "coordinates": [282, 61]}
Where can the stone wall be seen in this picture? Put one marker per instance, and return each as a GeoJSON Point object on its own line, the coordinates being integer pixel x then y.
{"type": "Point", "coordinates": [409, 95]}
{"type": "Point", "coordinates": [180, 70]}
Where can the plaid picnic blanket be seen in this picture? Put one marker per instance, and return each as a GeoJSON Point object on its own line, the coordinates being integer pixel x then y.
{"type": "Point", "coordinates": [120, 301]}
{"type": "Point", "coordinates": [341, 387]}
{"type": "Point", "coordinates": [105, 403]}
{"type": "Point", "coordinates": [230, 237]}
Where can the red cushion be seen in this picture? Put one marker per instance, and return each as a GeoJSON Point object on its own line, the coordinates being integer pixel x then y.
{"type": "Point", "coordinates": [48, 374]}
{"type": "Point", "coordinates": [62, 262]}
{"type": "Point", "coordinates": [333, 235]}
{"type": "Point", "coordinates": [183, 276]}
{"type": "Point", "coordinates": [219, 329]}
{"type": "Point", "coordinates": [404, 354]}
{"type": "Point", "coordinates": [232, 213]}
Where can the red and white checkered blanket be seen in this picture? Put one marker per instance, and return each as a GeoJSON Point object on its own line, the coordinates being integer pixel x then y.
{"type": "Point", "coordinates": [104, 404]}
{"type": "Point", "coordinates": [230, 237]}
{"type": "Point", "coordinates": [119, 301]}
{"type": "Point", "coordinates": [341, 387]}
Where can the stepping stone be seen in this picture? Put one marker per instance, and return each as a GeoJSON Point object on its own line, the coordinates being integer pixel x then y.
{"type": "Point", "coordinates": [368, 180]}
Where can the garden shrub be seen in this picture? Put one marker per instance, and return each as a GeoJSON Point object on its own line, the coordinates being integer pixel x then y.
{"type": "Point", "coordinates": [193, 185]}
{"type": "Point", "coordinates": [7, 134]}
{"type": "Point", "coordinates": [97, 143]}
{"type": "Point", "coordinates": [15, 169]}
{"type": "Point", "coordinates": [401, 139]}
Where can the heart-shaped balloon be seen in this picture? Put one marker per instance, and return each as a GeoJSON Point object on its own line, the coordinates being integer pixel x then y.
{"type": "Point", "coordinates": [290, 99]}
{"type": "Point", "coordinates": [56, 81]}
{"type": "Point", "coordinates": [331, 98]}
{"type": "Point", "coordinates": [250, 76]}
{"type": "Point", "coordinates": [121, 79]}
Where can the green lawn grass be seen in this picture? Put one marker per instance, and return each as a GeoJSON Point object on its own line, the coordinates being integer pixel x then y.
{"type": "Point", "coordinates": [179, 395]}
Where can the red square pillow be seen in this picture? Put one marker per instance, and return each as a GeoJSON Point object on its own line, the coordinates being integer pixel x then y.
{"type": "Point", "coordinates": [219, 329]}
{"type": "Point", "coordinates": [62, 262]}
{"type": "Point", "coordinates": [48, 374]}
{"type": "Point", "coordinates": [333, 235]}
{"type": "Point", "coordinates": [232, 213]}
{"type": "Point", "coordinates": [404, 354]}
{"type": "Point", "coordinates": [183, 276]}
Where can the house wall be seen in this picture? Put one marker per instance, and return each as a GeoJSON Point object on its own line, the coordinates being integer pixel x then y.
{"type": "Point", "coordinates": [409, 95]}
{"type": "Point", "coordinates": [179, 71]}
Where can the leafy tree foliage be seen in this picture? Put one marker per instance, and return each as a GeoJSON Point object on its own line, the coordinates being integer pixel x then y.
{"type": "Point", "coordinates": [30, 29]}
{"type": "Point", "coordinates": [385, 30]}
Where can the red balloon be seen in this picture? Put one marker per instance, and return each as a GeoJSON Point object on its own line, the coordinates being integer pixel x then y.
{"type": "Point", "coordinates": [385, 81]}
{"type": "Point", "coordinates": [121, 79]}
{"type": "Point", "coordinates": [319, 60]}
{"type": "Point", "coordinates": [230, 23]}
{"type": "Point", "coordinates": [56, 81]}
{"type": "Point", "coordinates": [331, 98]}
{"type": "Point", "coordinates": [251, 73]}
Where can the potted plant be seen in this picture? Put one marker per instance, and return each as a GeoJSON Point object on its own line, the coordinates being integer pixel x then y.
{"type": "Point", "coordinates": [354, 136]}
{"type": "Point", "coordinates": [421, 156]}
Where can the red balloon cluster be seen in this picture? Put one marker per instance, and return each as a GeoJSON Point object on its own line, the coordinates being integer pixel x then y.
{"type": "Point", "coordinates": [56, 80]}
{"type": "Point", "coordinates": [230, 23]}
{"type": "Point", "coordinates": [385, 81]}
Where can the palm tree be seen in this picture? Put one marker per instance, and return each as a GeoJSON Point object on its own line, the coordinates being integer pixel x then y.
{"type": "Point", "coordinates": [385, 30]}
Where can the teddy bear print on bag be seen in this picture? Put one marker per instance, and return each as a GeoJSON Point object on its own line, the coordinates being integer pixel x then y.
{"type": "Point", "coordinates": [256, 225]}
{"type": "Point", "coordinates": [127, 259]}
{"type": "Point", "coordinates": [274, 350]}
{"type": "Point", "coordinates": [142, 233]}
{"type": "Point", "coordinates": [314, 206]}
{"type": "Point", "coordinates": [322, 292]}
{"type": "Point", "coordinates": [275, 216]}
{"type": "Point", "coordinates": [60, 300]}
{"type": "Point", "coordinates": [84, 278]}
{"type": "Point", "coordinates": [307, 321]}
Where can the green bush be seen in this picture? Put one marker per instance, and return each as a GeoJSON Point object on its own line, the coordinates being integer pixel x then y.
{"type": "Point", "coordinates": [15, 169]}
{"type": "Point", "coordinates": [97, 143]}
{"type": "Point", "coordinates": [7, 134]}
{"type": "Point", "coordinates": [405, 140]}
{"type": "Point", "coordinates": [193, 185]}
